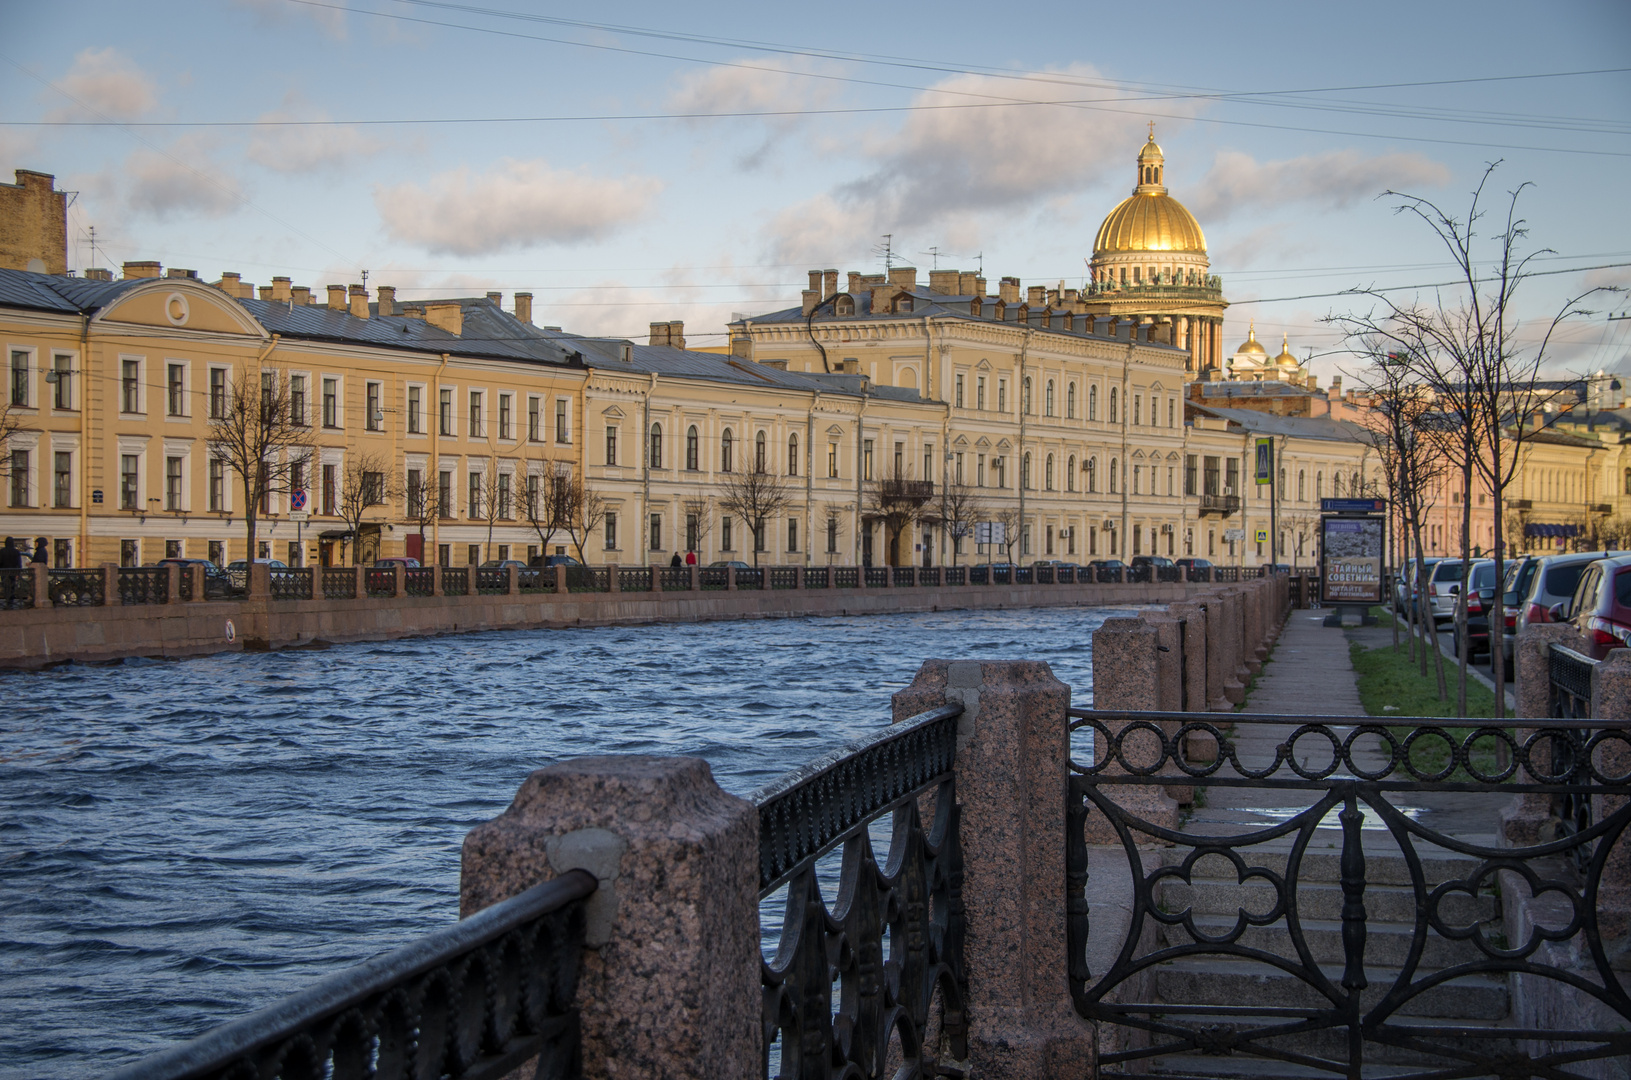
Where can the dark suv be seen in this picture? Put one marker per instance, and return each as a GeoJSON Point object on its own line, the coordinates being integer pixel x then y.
{"type": "Point", "coordinates": [1149, 567]}
{"type": "Point", "coordinates": [1199, 569]}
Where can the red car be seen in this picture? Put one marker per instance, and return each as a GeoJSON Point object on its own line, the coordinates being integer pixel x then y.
{"type": "Point", "coordinates": [1600, 609]}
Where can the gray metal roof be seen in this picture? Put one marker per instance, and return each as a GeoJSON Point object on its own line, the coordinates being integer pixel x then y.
{"type": "Point", "coordinates": [1297, 427]}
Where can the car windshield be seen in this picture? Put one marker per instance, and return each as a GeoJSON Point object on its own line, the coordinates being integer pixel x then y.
{"type": "Point", "coordinates": [1561, 580]}
{"type": "Point", "coordinates": [1483, 576]}
{"type": "Point", "coordinates": [1447, 571]}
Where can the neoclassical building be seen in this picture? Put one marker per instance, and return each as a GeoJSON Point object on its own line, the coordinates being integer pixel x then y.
{"type": "Point", "coordinates": [1149, 266]}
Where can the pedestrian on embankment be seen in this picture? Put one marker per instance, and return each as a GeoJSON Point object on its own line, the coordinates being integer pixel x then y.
{"type": "Point", "coordinates": [690, 557]}
{"type": "Point", "coordinates": [10, 559]}
{"type": "Point", "coordinates": [39, 552]}
{"type": "Point", "coordinates": [675, 561]}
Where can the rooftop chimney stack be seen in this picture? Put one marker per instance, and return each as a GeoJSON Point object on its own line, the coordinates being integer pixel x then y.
{"type": "Point", "coordinates": [98, 273]}
{"type": "Point", "coordinates": [829, 283]}
{"type": "Point", "coordinates": [809, 298]}
{"type": "Point", "coordinates": [659, 333]}
{"type": "Point", "coordinates": [280, 289]}
{"type": "Point", "coordinates": [979, 285]}
{"type": "Point", "coordinates": [676, 333]}
{"type": "Point", "coordinates": [336, 297]}
{"type": "Point", "coordinates": [523, 306]}
{"type": "Point", "coordinates": [266, 293]}
{"type": "Point", "coordinates": [496, 299]}
{"type": "Point", "coordinates": [300, 295]}
{"type": "Point", "coordinates": [449, 317]}
{"type": "Point", "coordinates": [178, 272]}
{"type": "Point", "coordinates": [387, 299]}
{"type": "Point", "coordinates": [815, 281]}
{"type": "Point", "coordinates": [1036, 296]}
{"type": "Point", "coordinates": [904, 276]}
{"type": "Point", "coordinates": [145, 269]}
{"type": "Point", "coordinates": [1008, 290]}
{"type": "Point", "coordinates": [854, 283]}
{"type": "Point", "coordinates": [359, 301]}
{"type": "Point", "coordinates": [943, 282]}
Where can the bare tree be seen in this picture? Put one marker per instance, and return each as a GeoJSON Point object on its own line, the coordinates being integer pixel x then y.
{"type": "Point", "coordinates": [756, 496]}
{"type": "Point", "coordinates": [10, 424]}
{"type": "Point", "coordinates": [423, 505]}
{"type": "Point", "coordinates": [956, 512]}
{"type": "Point", "coordinates": [366, 481]}
{"type": "Point", "coordinates": [579, 509]}
{"type": "Point", "coordinates": [1008, 518]}
{"type": "Point", "coordinates": [491, 498]}
{"type": "Point", "coordinates": [260, 439]}
{"type": "Point", "coordinates": [899, 502]}
{"type": "Point", "coordinates": [1465, 345]}
{"type": "Point", "coordinates": [539, 505]}
{"type": "Point", "coordinates": [701, 512]}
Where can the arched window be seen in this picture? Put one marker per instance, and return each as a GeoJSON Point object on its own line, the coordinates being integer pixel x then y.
{"type": "Point", "coordinates": [1336, 485]}
{"type": "Point", "coordinates": [1047, 473]}
{"type": "Point", "coordinates": [1628, 481]}
{"type": "Point", "coordinates": [1025, 394]}
{"type": "Point", "coordinates": [1092, 476]}
{"type": "Point", "coordinates": [656, 446]}
{"type": "Point", "coordinates": [1113, 464]}
{"type": "Point", "coordinates": [1319, 485]}
{"type": "Point", "coordinates": [691, 448]}
{"type": "Point", "coordinates": [1112, 404]}
{"type": "Point", "coordinates": [759, 452]}
{"type": "Point", "coordinates": [1358, 487]}
{"type": "Point", "coordinates": [1070, 402]}
{"type": "Point", "coordinates": [1025, 470]}
{"type": "Point", "coordinates": [792, 455]}
{"type": "Point", "coordinates": [726, 443]}
{"type": "Point", "coordinates": [1092, 403]}
{"type": "Point", "coordinates": [1048, 403]}
{"type": "Point", "coordinates": [1070, 473]}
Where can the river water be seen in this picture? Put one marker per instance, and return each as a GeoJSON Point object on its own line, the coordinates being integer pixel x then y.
{"type": "Point", "coordinates": [181, 842]}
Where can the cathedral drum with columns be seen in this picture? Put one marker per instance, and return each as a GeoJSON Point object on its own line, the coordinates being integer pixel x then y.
{"type": "Point", "coordinates": [1149, 265]}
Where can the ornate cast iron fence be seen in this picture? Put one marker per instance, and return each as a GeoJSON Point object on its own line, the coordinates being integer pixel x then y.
{"type": "Point", "coordinates": [979, 575]}
{"type": "Point", "coordinates": [1167, 573]}
{"type": "Point", "coordinates": [380, 580]}
{"type": "Point", "coordinates": [877, 577]}
{"type": "Point", "coordinates": [587, 579]}
{"type": "Point", "coordinates": [676, 578]}
{"type": "Point", "coordinates": [492, 580]}
{"type": "Point", "coordinates": [817, 577]}
{"type": "Point", "coordinates": [535, 579]}
{"type": "Point", "coordinates": [419, 580]}
{"type": "Point", "coordinates": [339, 583]}
{"type": "Point", "coordinates": [955, 575]}
{"type": "Point", "coordinates": [473, 1001]}
{"type": "Point", "coordinates": [928, 575]}
{"type": "Point", "coordinates": [846, 577]}
{"type": "Point", "coordinates": [1347, 1012]}
{"type": "Point", "coordinates": [455, 580]}
{"type": "Point", "coordinates": [835, 996]}
{"type": "Point", "coordinates": [634, 579]}
{"type": "Point", "coordinates": [750, 577]}
{"type": "Point", "coordinates": [713, 577]}
{"type": "Point", "coordinates": [1064, 575]}
{"type": "Point", "coordinates": [902, 577]}
{"type": "Point", "coordinates": [144, 584]}
{"type": "Point", "coordinates": [289, 583]}
{"type": "Point", "coordinates": [1225, 573]}
{"type": "Point", "coordinates": [1042, 574]}
{"type": "Point", "coordinates": [17, 589]}
{"type": "Point", "coordinates": [784, 577]}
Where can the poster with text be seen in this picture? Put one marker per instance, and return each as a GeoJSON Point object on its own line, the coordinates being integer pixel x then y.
{"type": "Point", "coordinates": [1351, 557]}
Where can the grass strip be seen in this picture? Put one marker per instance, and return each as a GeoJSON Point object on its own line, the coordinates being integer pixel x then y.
{"type": "Point", "coordinates": [1390, 685]}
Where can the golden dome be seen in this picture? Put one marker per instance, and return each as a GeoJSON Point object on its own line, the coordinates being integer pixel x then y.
{"type": "Point", "coordinates": [1150, 219]}
{"type": "Point", "coordinates": [1251, 344]}
{"type": "Point", "coordinates": [1285, 359]}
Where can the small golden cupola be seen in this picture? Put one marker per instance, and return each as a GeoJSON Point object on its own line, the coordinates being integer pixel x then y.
{"type": "Point", "coordinates": [1285, 359]}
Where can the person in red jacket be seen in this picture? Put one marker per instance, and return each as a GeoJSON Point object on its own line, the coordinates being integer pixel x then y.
{"type": "Point", "coordinates": [690, 557]}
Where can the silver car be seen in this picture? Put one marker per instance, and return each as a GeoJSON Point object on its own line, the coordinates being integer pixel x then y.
{"type": "Point", "coordinates": [1440, 598]}
{"type": "Point", "coordinates": [1535, 584]}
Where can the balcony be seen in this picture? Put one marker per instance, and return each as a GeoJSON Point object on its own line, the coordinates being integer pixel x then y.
{"type": "Point", "coordinates": [905, 491]}
{"type": "Point", "coordinates": [1222, 505]}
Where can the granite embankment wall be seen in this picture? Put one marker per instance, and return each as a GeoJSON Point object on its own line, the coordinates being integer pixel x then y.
{"type": "Point", "coordinates": [32, 638]}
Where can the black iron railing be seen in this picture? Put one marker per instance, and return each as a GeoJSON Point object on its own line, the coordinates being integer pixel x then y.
{"type": "Point", "coordinates": [144, 584]}
{"type": "Point", "coordinates": [582, 579]}
{"type": "Point", "coordinates": [473, 1001]}
{"type": "Point", "coordinates": [902, 577]}
{"type": "Point", "coordinates": [455, 580]}
{"type": "Point", "coordinates": [634, 579]}
{"type": "Point", "coordinates": [846, 577]}
{"type": "Point", "coordinates": [877, 577]}
{"type": "Point", "coordinates": [817, 577]}
{"type": "Point", "coordinates": [852, 974]}
{"type": "Point", "coordinates": [1064, 575]}
{"type": "Point", "coordinates": [713, 577]}
{"type": "Point", "coordinates": [380, 580]}
{"type": "Point", "coordinates": [979, 575]}
{"type": "Point", "coordinates": [1168, 573]}
{"type": "Point", "coordinates": [1001, 575]}
{"type": "Point", "coordinates": [419, 580]}
{"type": "Point", "coordinates": [1043, 575]}
{"type": "Point", "coordinates": [955, 575]}
{"type": "Point", "coordinates": [928, 575]}
{"type": "Point", "coordinates": [1024, 575]}
{"type": "Point", "coordinates": [784, 577]}
{"type": "Point", "coordinates": [676, 578]}
{"type": "Point", "coordinates": [184, 582]}
{"type": "Point", "coordinates": [535, 579]}
{"type": "Point", "coordinates": [289, 582]}
{"type": "Point", "coordinates": [16, 589]}
{"type": "Point", "coordinates": [339, 583]}
{"type": "Point", "coordinates": [1284, 906]}
{"type": "Point", "coordinates": [1225, 573]}
{"type": "Point", "coordinates": [750, 577]}
{"type": "Point", "coordinates": [492, 580]}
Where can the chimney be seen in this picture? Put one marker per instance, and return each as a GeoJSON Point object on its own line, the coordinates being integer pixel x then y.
{"type": "Point", "coordinates": [359, 301]}
{"type": "Point", "coordinates": [1336, 388]}
{"type": "Point", "coordinates": [854, 283]}
{"type": "Point", "coordinates": [410, 311]}
{"type": "Point", "coordinates": [965, 284]}
{"type": "Point", "coordinates": [98, 273]}
{"type": "Point", "coordinates": [336, 297]}
{"type": "Point", "coordinates": [135, 270]}
{"type": "Point", "coordinates": [446, 316]}
{"type": "Point", "coordinates": [904, 276]}
{"type": "Point", "coordinates": [659, 333]}
{"type": "Point", "coordinates": [266, 293]}
{"type": "Point", "coordinates": [496, 299]}
{"type": "Point", "coordinates": [676, 333]}
{"type": "Point", "coordinates": [1008, 290]}
{"type": "Point", "coordinates": [742, 342]}
{"type": "Point", "coordinates": [829, 282]}
{"type": "Point", "coordinates": [300, 294]}
{"type": "Point", "coordinates": [851, 366]}
{"type": "Point", "coordinates": [1036, 296]}
{"type": "Point", "coordinates": [230, 283]}
{"type": "Point", "coordinates": [387, 299]}
{"type": "Point", "coordinates": [815, 281]}
{"type": "Point", "coordinates": [809, 298]}
{"type": "Point", "coordinates": [280, 288]}
{"type": "Point", "coordinates": [523, 306]}
{"type": "Point", "coordinates": [883, 297]}
{"type": "Point", "coordinates": [979, 285]}
{"type": "Point", "coordinates": [943, 282]}
{"type": "Point", "coordinates": [177, 272]}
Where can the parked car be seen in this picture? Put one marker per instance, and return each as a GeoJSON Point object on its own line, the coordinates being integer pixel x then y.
{"type": "Point", "coordinates": [732, 562]}
{"type": "Point", "coordinates": [495, 564]}
{"type": "Point", "coordinates": [217, 581]}
{"type": "Point", "coordinates": [553, 560]}
{"type": "Point", "coordinates": [1146, 567]}
{"type": "Point", "coordinates": [1537, 583]}
{"type": "Point", "coordinates": [1276, 568]}
{"type": "Point", "coordinates": [1440, 600]}
{"type": "Point", "coordinates": [1199, 569]}
{"type": "Point", "coordinates": [389, 561]}
{"type": "Point", "coordinates": [1108, 570]}
{"type": "Point", "coordinates": [1480, 601]}
{"type": "Point", "coordinates": [1600, 609]}
{"type": "Point", "coordinates": [240, 566]}
{"type": "Point", "coordinates": [1404, 586]}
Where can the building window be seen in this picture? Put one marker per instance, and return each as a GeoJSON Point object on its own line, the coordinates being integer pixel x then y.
{"type": "Point", "coordinates": [866, 459]}
{"type": "Point", "coordinates": [1047, 473]}
{"type": "Point", "coordinates": [218, 485]}
{"type": "Point", "coordinates": [563, 424]}
{"type": "Point", "coordinates": [1000, 467]}
{"type": "Point", "coordinates": [175, 395]}
{"type": "Point", "coordinates": [1002, 395]}
{"type": "Point", "coordinates": [693, 527]}
{"type": "Point", "coordinates": [1047, 402]}
{"type": "Point", "coordinates": [506, 405]}
{"type": "Point", "coordinates": [19, 378]}
{"type": "Point", "coordinates": [1113, 471]}
{"type": "Point", "coordinates": [444, 412]}
{"type": "Point", "coordinates": [505, 508]}
{"type": "Point", "coordinates": [444, 494]}
{"type": "Point", "coordinates": [1025, 470]}
{"type": "Point", "coordinates": [64, 397]}
{"type": "Point", "coordinates": [656, 454]}
{"type": "Point", "coordinates": [1138, 478]}
{"type": "Point", "coordinates": [415, 395]}
{"type": "Point", "coordinates": [979, 471]}
{"type": "Point", "coordinates": [792, 455]}
{"type": "Point", "coordinates": [1092, 476]}
{"type": "Point", "coordinates": [172, 484]}
{"type": "Point", "coordinates": [19, 478]}
{"type": "Point", "coordinates": [959, 391]}
{"type": "Point", "coordinates": [331, 486]}
{"type": "Point", "coordinates": [1171, 412]}
{"type": "Point", "coordinates": [691, 448]}
{"type": "Point", "coordinates": [1025, 397]}
{"type": "Point", "coordinates": [297, 400]}
{"type": "Point", "coordinates": [475, 420]}
{"type": "Point", "coordinates": [1189, 474]}
{"type": "Point", "coordinates": [611, 444]}
{"type": "Point", "coordinates": [268, 395]}
{"type": "Point", "coordinates": [473, 484]}
{"type": "Point", "coordinates": [759, 455]}
{"type": "Point", "coordinates": [129, 483]}
{"type": "Point", "coordinates": [331, 403]}
{"type": "Point", "coordinates": [130, 553]}
{"type": "Point", "coordinates": [832, 536]}
{"type": "Point", "coordinates": [130, 386]}
{"type": "Point", "coordinates": [63, 479]}
{"type": "Point", "coordinates": [611, 531]}
{"type": "Point", "coordinates": [725, 543]}
{"type": "Point", "coordinates": [1112, 404]}
{"type": "Point", "coordinates": [1070, 473]}
{"type": "Point", "coordinates": [1070, 403]}
{"type": "Point", "coordinates": [725, 443]}
{"type": "Point", "coordinates": [1092, 403]}
{"type": "Point", "coordinates": [979, 393]}
{"type": "Point", "coordinates": [375, 416]}
{"type": "Point", "coordinates": [957, 474]}
{"type": "Point", "coordinates": [792, 534]}
{"type": "Point", "coordinates": [1300, 485]}
{"type": "Point", "coordinates": [656, 533]}
{"type": "Point", "coordinates": [1138, 409]}
{"type": "Point", "coordinates": [832, 466]}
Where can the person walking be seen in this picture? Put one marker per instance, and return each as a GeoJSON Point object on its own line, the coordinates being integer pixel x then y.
{"type": "Point", "coordinates": [10, 559]}
{"type": "Point", "coordinates": [675, 561]}
{"type": "Point", "coordinates": [40, 555]}
{"type": "Point", "coordinates": [690, 557]}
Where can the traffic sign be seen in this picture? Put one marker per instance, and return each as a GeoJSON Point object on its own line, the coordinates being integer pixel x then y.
{"type": "Point", "coordinates": [299, 515]}
{"type": "Point", "coordinates": [297, 499]}
{"type": "Point", "coordinates": [1262, 536]}
{"type": "Point", "coordinates": [1232, 535]}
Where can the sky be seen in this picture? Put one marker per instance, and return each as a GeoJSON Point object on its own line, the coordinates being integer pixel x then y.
{"type": "Point", "coordinates": [643, 162]}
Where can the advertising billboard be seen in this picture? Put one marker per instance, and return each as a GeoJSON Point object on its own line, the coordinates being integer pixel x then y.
{"type": "Point", "coordinates": [1351, 560]}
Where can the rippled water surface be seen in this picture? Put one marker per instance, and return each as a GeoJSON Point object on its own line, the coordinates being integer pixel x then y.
{"type": "Point", "coordinates": [182, 842]}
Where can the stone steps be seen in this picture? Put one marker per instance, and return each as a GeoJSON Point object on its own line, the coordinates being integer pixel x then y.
{"type": "Point", "coordinates": [1331, 1044]}
{"type": "Point", "coordinates": [1383, 903]}
{"type": "Point", "coordinates": [1386, 944]}
{"type": "Point", "coordinates": [1217, 980]}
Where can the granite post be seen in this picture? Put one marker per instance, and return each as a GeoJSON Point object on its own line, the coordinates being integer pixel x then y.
{"type": "Point", "coordinates": [1013, 757]}
{"type": "Point", "coordinates": [1611, 700]}
{"type": "Point", "coordinates": [1198, 746]}
{"type": "Point", "coordinates": [436, 580]}
{"type": "Point", "coordinates": [172, 583]}
{"type": "Point", "coordinates": [41, 584]}
{"type": "Point", "coordinates": [260, 581]}
{"type": "Point", "coordinates": [512, 584]}
{"type": "Point", "coordinates": [670, 980]}
{"type": "Point", "coordinates": [1525, 816]}
{"type": "Point", "coordinates": [398, 582]}
{"type": "Point", "coordinates": [197, 573]}
{"type": "Point", "coordinates": [361, 584]}
{"type": "Point", "coordinates": [1127, 676]}
{"type": "Point", "coordinates": [1223, 690]}
{"type": "Point", "coordinates": [613, 583]}
{"type": "Point", "coordinates": [1169, 689]}
{"type": "Point", "coordinates": [560, 579]}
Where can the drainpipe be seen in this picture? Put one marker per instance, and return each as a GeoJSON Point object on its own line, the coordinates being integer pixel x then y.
{"type": "Point", "coordinates": [84, 548]}
{"type": "Point", "coordinates": [1024, 407]}
{"type": "Point", "coordinates": [436, 462]}
{"type": "Point", "coordinates": [1126, 469]}
{"type": "Point", "coordinates": [860, 462]}
{"type": "Point", "coordinates": [809, 477]}
{"type": "Point", "coordinates": [645, 479]}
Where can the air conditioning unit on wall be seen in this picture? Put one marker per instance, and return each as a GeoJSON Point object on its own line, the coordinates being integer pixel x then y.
{"type": "Point", "coordinates": [1166, 530]}
{"type": "Point", "coordinates": [1109, 525]}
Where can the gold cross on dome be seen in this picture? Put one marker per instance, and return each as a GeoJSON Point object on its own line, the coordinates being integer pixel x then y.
{"type": "Point", "coordinates": [1152, 130]}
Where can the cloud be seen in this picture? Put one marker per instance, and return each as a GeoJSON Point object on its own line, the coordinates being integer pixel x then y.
{"type": "Point", "coordinates": [758, 88]}
{"type": "Point", "coordinates": [276, 12]}
{"type": "Point", "coordinates": [303, 149]}
{"type": "Point", "coordinates": [105, 84]}
{"type": "Point", "coordinates": [1333, 180]}
{"type": "Point", "coordinates": [167, 184]}
{"type": "Point", "coordinates": [518, 204]}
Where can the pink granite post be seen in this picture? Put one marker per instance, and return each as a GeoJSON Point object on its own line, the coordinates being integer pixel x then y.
{"type": "Point", "coordinates": [512, 584]}
{"type": "Point", "coordinates": [1199, 747]}
{"type": "Point", "coordinates": [1169, 688]}
{"type": "Point", "coordinates": [730, 579]}
{"type": "Point", "coordinates": [397, 581]}
{"type": "Point", "coordinates": [172, 584]}
{"type": "Point", "coordinates": [110, 584]}
{"type": "Point", "coordinates": [1525, 815]}
{"type": "Point", "coordinates": [1223, 690]}
{"type": "Point", "coordinates": [361, 586]}
{"type": "Point", "coordinates": [670, 979]}
{"type": "Point", "coordinates": [1254, 629]}
{"type": "Point", "coordinates": [436, 580]}
{"type": "Point", "coordinates": [1127, 676]}
{"type": "Point", "coordinates": [260, 581]}
{"type": "Point", "coordinates": [696, 578]}
{"type": "Point", "coordinates": [1611, 700]}
{"type": "Point", "coordinates": [612, 582]}
{"type": "Point", "coordinates": [41, 585]}
{"type": "Point", "coordinates": [560, 579]}
{"type": "Point", "coordinates": [1013, 754]}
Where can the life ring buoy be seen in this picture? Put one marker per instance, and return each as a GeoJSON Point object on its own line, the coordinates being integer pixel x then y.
{"type": "Point", "coordinates": [232, 631]}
